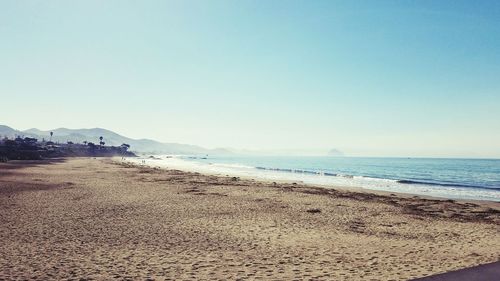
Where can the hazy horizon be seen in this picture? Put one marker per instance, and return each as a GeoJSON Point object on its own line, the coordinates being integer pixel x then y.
{"type": "Point", "coordinates": [385, 78]}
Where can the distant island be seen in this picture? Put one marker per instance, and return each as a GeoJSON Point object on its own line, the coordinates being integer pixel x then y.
{"type": "Point", "coordinates": [335, 153]}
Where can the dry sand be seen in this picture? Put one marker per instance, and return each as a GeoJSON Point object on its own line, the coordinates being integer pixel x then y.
{"type": "Point", "coordinates": [97, 219]}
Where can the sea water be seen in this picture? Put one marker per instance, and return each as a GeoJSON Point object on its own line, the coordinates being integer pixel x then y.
{"type": "Point", "coordinates": [477, 179]}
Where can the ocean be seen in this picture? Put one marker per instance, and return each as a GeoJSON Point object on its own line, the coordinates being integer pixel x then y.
{"type": "Point", "coordinates": [477, 179]}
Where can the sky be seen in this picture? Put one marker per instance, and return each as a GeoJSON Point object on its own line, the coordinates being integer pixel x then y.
{"type": "Point", "coordinates": [370, 78]}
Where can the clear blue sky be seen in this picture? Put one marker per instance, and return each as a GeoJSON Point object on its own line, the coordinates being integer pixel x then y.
{"type": "Point", "coordinates": [373, 78]}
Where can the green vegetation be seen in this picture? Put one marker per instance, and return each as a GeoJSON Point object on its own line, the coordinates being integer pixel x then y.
{"type": "Point", "coordinates": [31, 149]}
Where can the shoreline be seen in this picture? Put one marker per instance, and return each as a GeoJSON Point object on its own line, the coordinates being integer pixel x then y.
{"type": "Point", "coordinates": [489, 203]}
{"type": "Point", "coordinates": [355, 192]}
{"type": "Point", "coordinates": [100, 219]}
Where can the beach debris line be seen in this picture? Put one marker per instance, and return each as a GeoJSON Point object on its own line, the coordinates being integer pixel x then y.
{"type": "Point", "coordinates": [314, 210]}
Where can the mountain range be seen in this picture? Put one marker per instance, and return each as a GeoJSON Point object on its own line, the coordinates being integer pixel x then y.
{"type": "Point", "coordinates": [64, 135]}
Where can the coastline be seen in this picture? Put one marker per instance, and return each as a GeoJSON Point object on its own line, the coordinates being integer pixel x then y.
{"type": "Point", "coordinates": [343, 191]}
{"type": "Point", "coordinates": [152, 162]}
{"type": "Point", "coordinates": [107, 219]}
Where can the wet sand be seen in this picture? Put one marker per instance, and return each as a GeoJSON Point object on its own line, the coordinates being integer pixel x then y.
{"type": "Point", "coordinates": [99, 219]}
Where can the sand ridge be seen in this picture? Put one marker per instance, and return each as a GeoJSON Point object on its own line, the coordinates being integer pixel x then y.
{"type": "Point", "coordinates": [97, 219]}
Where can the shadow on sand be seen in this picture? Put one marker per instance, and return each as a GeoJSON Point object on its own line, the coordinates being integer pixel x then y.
{"type": "Point", "coordinates": [485, 272]}
{"type": "Point", "coordinates": [19, 164]}
{"type": "Point", "coordinates": [9, 186]}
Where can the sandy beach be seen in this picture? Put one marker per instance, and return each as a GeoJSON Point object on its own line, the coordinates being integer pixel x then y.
{"type": "Point", "coordinates": [99, 219]}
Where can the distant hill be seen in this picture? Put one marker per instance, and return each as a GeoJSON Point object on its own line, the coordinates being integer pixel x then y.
{"type": "Point", "coordinates": [63, 135]}
{"type": "Point", "coordinates": [335, 153]}
{"type": "Point", "coordinates": [7, 131]}
{"type": "Point", "coordinates": [110, 138]}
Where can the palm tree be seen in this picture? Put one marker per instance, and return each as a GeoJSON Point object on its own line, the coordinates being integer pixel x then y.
{"type": "Point", "coordinates": [100, 140]}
